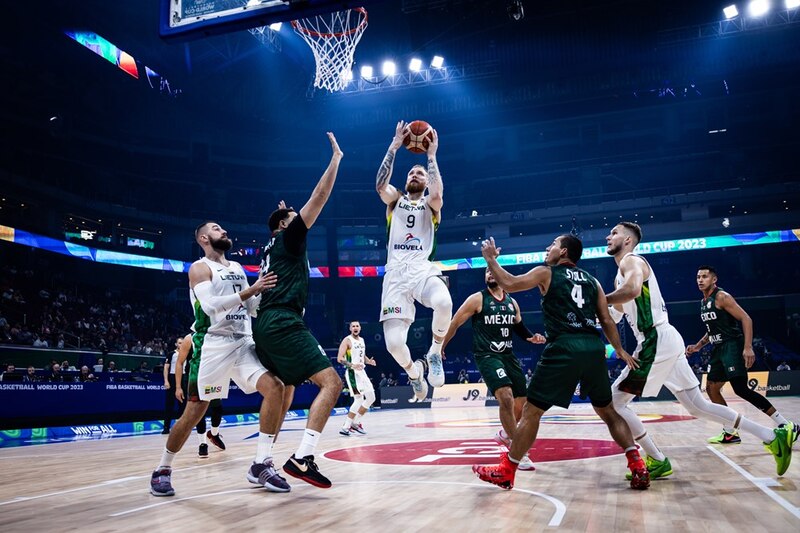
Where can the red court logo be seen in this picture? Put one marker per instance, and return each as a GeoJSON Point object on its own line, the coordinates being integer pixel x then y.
{"type": "Point", "coordinates": [470, 451]}
{"type": "Point", "coordinates": [561, 418]}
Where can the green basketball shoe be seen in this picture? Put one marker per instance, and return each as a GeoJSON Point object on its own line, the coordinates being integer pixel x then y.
{"type": "Point", "coordinates": [781, 447]}
{"type": "Point", "coordinates": [656, 469]}
{"type": "Point", "coordinates": [725, 438]}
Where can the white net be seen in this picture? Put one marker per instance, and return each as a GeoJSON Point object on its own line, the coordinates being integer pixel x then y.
{"type": "Point", "coordinates": [333, 38]}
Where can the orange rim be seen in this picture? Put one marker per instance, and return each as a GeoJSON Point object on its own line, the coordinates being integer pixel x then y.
{"type": "Point", "coordinates": [296, 25]}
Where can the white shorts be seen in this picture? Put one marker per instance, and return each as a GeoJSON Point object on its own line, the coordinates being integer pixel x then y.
{"type": "Point", "coordinates": [670, 367]}
{"type": "Point", "coordinates": [402, 285]}
{"type": "Point", "coordinates": [226, 358]}
{"type": "Point", "coordinates": [358, 382]}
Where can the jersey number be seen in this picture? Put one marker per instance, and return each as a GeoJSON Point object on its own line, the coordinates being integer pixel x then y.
{"type": "Point", "coordinates": [504, 332]}
{"type": "Point", "coordinates": [410, 221]}
{"type": "Point", "coordinates": [577, 295]}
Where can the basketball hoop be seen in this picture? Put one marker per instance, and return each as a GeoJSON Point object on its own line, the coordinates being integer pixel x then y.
{"type": "Point", "coordinates": [333, 39]}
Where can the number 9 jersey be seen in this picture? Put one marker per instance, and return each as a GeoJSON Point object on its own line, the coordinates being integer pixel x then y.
{"type": "Point", "coordinates": [411, 230]}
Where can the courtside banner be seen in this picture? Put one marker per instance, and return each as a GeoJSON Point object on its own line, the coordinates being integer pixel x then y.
{"type": "Point", "coordinates": [786, 383]}
{"type": "Point", "coordinates": [402, 397]}
{"type": "Point", "coordinates": [757, 381]}
{"type": "Point", "coordinates": [459, 395]}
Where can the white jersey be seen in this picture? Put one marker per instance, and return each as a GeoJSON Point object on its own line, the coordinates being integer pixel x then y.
{"type": "Point", "coordinates": [225, 280]}
{"type": "Point", "coordinates": [412, 232]}
{"type": "Point", "coordinates": [648, 310]}
{"type": "Point", "coordinates": [357, 352]}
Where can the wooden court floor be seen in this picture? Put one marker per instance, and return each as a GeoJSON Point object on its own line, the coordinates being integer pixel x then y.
{"type": "Point", "coordinates": [411, 473]}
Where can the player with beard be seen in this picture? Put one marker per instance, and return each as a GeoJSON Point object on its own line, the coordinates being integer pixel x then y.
{"type": "Point", "coordinates": [413, 219]}
{"type": "Point", "coordinates": [661, 360]}
{"type": "Point", "coordinates": [223, 303]}
{"type": "Point", "coordinates": [495, 314]}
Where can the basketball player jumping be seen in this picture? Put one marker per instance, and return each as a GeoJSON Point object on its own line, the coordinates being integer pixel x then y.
{"type": "Point", "coordinates": [732, 353]}
{"type": "Point", "coordinates": [283, 341]}
{"type": "Point", "coordinates": [572, 303]}
{"type": "Point", "coordinates": [495, 314]}
{"type": "Point", "coordinates": [185, 359]}
{"type": "Point", "coordinates": [661, 359]}
{"type": "Point", "coordinates": [352, 354]}
{"type": "Point", "coordinates": [413, 219]}
{"type": "Point", "coordinates": [223, 303]}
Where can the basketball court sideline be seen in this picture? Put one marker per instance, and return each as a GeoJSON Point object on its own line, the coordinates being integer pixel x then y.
{"type": "Point", "coordinates": [412, 472]}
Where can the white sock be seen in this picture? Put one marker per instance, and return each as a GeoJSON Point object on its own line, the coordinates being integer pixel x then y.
{"type": "Point", "coordinates": [201, 438]}
{"type": "Point", "coordinates": [778, 418]}
{"type": "Point", "coordinates": [702, 408]}
{"type": "Point", "coordinates": [729, 431]}
{"type": "Point", "coordinates": [308, 444]}
{"type": "Point", "coordinates": [436, 347]}
{"type": "Point", "coordinates": [166, 459]}
{"type": "Point", "coordinates": [264, 450]}
{"type": "Point", "coordinates": [763, 433]}
{"type": "Point", "coordinates": [214, 430]}
{"type": "Point", "coordinates": [650, 448]}
{"type": "Point", "coordinates": [413, 372]}
{"type": "Point", "coordinates": [631, 449]}
{"type": "Point", "coordinates": [348, 422]}
{"type": "Point", "coordinates": [357, 419]}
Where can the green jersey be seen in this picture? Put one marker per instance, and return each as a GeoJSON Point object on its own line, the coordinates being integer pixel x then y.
{"type": "Point", "coordinates": [286, 256]}
{"type": "Point", "coordinates": [491, 328]}
{"type": "Point", "coordinates": [721, 325]}
{"type": "Point", "coordinates": [570, 305]}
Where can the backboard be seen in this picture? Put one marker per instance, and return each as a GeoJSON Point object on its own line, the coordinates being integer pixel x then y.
{"type": "Point", "coordinates": [184, 20]}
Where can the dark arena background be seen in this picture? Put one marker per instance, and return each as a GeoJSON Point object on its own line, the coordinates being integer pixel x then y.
{"type": "Point", "coordinates": [122, 131]}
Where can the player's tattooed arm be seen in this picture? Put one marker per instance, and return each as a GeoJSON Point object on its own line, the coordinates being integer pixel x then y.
{"type": "Point", "coordinates": [435, 187]}
{"type": "Point", "coordinates": [388, 193]}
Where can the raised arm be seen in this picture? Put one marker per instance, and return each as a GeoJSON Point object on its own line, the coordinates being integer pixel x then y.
{"type": "Point", "coordinates": [610, 329]}
{"type": "Point", "coordinates": [632, 270]}
{"type": "Point", "coordinates": [388, 193]}
{"type": "Point", "coordinates": [728, 303]}
{"type": "Point", "coordinates": [536, 277]}
{"type": "Point", "coordinates": [322, 191]}
{"type": "Point", "coordinates": [470, 306]}
{"type": "Point", "coordinates": [435, 187]}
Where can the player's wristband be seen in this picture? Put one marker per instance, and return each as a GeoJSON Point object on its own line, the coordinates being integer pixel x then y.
{"type": "Point", "coordinates": [522, 330]}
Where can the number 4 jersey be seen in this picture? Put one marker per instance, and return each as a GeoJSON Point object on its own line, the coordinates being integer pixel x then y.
{"type": "Point", "coordinates": [570, 305]}
{"type": "Point", "coordinates": [412, 229]}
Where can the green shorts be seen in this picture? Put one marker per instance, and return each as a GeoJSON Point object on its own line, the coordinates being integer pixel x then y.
{"type": "Point", "coordinates": [727, 361]}
{"type": "Point", "coordinates": [286, 347]}
{"type": "Point", "coordinates": [501, 370]}
{"type": "Point", "coordinates": [566, 362]}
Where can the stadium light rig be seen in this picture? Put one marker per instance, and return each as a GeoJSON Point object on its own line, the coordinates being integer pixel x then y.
{"type": "Point", "coordinates": [730, 12]}
{"type": "Point", "coordinates": [758, 8]}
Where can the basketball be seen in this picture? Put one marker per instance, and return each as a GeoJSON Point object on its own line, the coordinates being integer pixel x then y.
{"type": "Point", "coordinates": [419, 134]}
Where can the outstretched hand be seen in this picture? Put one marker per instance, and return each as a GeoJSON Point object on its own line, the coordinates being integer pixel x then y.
{"type": "Point", "coordinates": [489, 249]}
{"type": "Point", "coordinates": [433, 143]}
{"type": "Point", "coordinates": [337, 152]}
{"type": "Point", "coordinates": [400, 132]}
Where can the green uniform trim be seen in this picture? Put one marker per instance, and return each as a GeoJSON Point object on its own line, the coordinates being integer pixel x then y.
{"type": "Point", "coordinates": [201, 324]}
